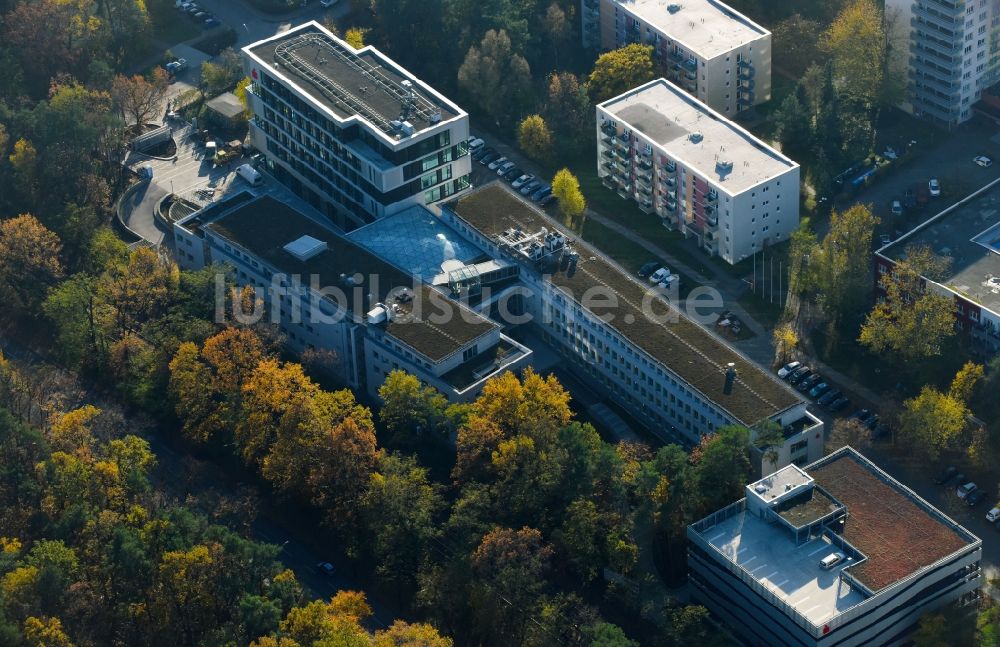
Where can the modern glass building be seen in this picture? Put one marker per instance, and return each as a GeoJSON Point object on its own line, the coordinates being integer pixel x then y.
{"type": "Point", "coordinates": [351, 131]}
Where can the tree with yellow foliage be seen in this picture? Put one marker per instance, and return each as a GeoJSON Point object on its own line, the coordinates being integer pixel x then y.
{"type": "Point", "coordinates": [566, 189]}
{"type": "Point", "coordinates": [620, 70]}
{"type": "Point", "coordinates": [534, 137]}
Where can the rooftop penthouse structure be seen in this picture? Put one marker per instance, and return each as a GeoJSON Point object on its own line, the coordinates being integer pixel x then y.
{"type": "Point", "coordinates": [350, 130]}
{"type": "Point", "coordinates": [836, 553]}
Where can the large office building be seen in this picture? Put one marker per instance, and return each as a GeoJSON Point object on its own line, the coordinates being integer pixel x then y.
{"type": "Point", "coordinates": [967, 235]}
{"type": "Point", "coordinates": [717, 54]}
{"type": "Point", "coordinates": [620, 336]}
{"type": "Point", "coordinates": [329, 293]}
{"type": "Point", "coordinates": [837, 553]}
{"type": "Point", "coordinates": [947, 51]}
{"type": "Point", "coordinates": [698, 171]}
{"type": "Point", "coordinates": [351, 131]}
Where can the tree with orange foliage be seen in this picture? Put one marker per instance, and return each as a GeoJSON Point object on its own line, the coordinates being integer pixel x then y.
{"type": "Point", "coordinates": [29, 262]}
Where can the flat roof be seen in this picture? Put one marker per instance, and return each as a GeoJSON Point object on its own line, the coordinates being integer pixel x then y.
{"type": "Point", "coordinates": [417, 241]}
{"type": "Point", "coordinates": [777, 484]}
{"type": "Point", "coordinates": [670, 117]}
{"type": "Point", "coordinates": [683, 346]}
{"type": "Point", "coordinates": [789, 571]}
{"type": "Point", "coordinates": [365, 82]}
{"type": "Point", "coordinates": [263, 226]}
{"type": "Point", "coordinates": [899, 532]}
{"type": "Point", "coordinates": [895, 534]}
{"type": "Point", "coordinates": [970, 236]}
{"type": "Point", "coordinates": [706, 27]}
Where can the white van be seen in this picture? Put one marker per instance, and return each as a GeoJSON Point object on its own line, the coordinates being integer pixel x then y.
{"type": "Point", "coordinates": [250, 174]}
{"type": "Point", "coordinates": [831, 560]}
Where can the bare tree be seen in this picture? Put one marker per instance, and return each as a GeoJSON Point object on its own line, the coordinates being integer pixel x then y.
{"type": "Point", "coordinates": [849, 431]}
{"type": "Point", "coordinates": [138, 98]}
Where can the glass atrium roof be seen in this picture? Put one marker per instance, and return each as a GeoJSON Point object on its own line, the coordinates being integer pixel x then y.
{"type": "Point", "coordinates": [416, 241]}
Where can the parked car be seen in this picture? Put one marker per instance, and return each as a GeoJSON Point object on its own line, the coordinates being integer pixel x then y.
{"type": "Point", "coordinates": [326, 568]}
{"type": "Point", "coordinates": [489, 157]}
{"type": "Point", "coordinates": [497, 163]}
{"type": "Point", "coordinates": [799, 374]}
{"type": "Point", "coordinates": [965, 489]}
{"type": "Point", "coordinates": [897, 208]}
{"type": "Point", "coordinates": [994, 514]}
{"type": "Point", "coordinates": [505, 168]}
{"type": "Point", "coordinates": [819, 390]}
{"type": "Point", "coordinates": [863, 415]}
{"type": "Point", "coordinates": [840, 403]}
{"type": "Point", "coordinates": [831, 560]}
{"type": "Point", "coordinates": [983, 161]}
{"type": "Point", "coordinates": [546, 200]}
{"type": "Point", "coordinates": [659, 275]}
{"type": "Point", "coordinates": [934, 187]}
{"type": "Point", "coordinates": [326, 4]}
{"type": "Point", "coordinates": [945, 476]}
{"type": "Point", "coordinates": [809, 382]}
{"type": "Point", "coordinates": [829, 397]}
{"type": "Point", "coordinates": [787, 369]}
{"type": "Point", "coordinates": [530, 187]}
{"type": "Point", "coordinates": [513, 174]}
{"type": "Point", "coordinates": [482, 152]}
{"type": "Point", "coordinates": [212, 23]}
{"type": "Point", "coordinates": [521, 181]}
{"type": "Point", "coordinates": [475, 144]}
{"type": "Point", "coordinates": [177, 66]}
{"type": "Point", "coordinates": [975, 498]}
{"type": "Point", "coordinates": [649, 268]}
{"type": "Point", "coordinates": [541, 193]}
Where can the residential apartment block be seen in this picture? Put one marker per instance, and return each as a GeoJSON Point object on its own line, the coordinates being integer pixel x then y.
{"type": "Point", "coordinates": [948, 51]}
{"type": "Point", "coordinates": [351, 131]}
{"type": "Point", "coordinates": [618, 335]}
{"type": "Point", "coordinates": [767, 566]}
{"type": "Point", "coordinates": [698, 171]}
{"type": "Point", "coordinates": [968, 236]}
{"type": "Point", "coordinates": [328, 293]}
{"type": "Point", "coordinates": [715, 53]}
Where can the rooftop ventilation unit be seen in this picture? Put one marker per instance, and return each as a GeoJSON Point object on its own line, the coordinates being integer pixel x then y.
{"type": "Point", "coordinates": [730, 378]}
{"type": "Point", "coordinates": [724, 166]}
{"type": "Point", "coordinates": [406, 128]}
{"type": "Point", "coordinates": [696, 137]}
{"type": "Point", "coordinates": [673, 8]}
{"type": "Point", "coordinates": [305, 247]}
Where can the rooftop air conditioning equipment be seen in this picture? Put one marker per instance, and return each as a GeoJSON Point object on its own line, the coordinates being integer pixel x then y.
{"type": "Point", "coordinates": [407, 128]}
{"type": "Point", "coordinates": [724, 166]}
{"type": "Point", "coordinates": [673, 8]}
{"type": "Point", "coordinates": [696, 137]}
{"type": "Point", "coordinates": [378, 314]}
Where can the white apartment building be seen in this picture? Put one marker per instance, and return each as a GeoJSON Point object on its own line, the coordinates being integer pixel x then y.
{"type": "Point", "coordinates": [715, 53]}
{"type": "Point", "coordinates": [673, 375]}
{"type": "Point", "coordinates": [698, 171]}
{"type": "Point", "coordinates": [947, 50]}
{"type": "Point", "coordinates": [351, 131]}
{"type": "Point", "coordinates": [768, 566]}
{"type": "Point", "coordinates": [327, 293]}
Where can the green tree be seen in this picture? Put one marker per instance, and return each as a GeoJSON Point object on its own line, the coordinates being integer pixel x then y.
{"type": "Point", "coordinates": [794, 125]}
{"type": "Point", "coordinates": [605, 634]}
{"type": "Point", "coordinates": [965, 381]}
{"type": "Point", "coordinates": [911, 321]}
{"type": "Point", "coordinates": [620, 70]}
{"type": "Point", "coordinates": [568, 109]}
{"type": "Point", "coordinates": [534, 137]}
{"type": "Point", "coordinates": [932, 631]}
{"type": "Point", "coordinates": [721, 466]}
{"type": "Point", "coordinates": [841, 263]}
{"type": "Point", "coordinates": [931, 421]}
{"type": "Point", "coordinates": [496, 77]}
{"type": "Point", "coordinates": [412, 411]}
{"type": "Point", "coordinates": [566, 189]}
{"type": "Point", "coordinates": [29, 262]}
{"type": "Point", "coordinates": [399, 509]}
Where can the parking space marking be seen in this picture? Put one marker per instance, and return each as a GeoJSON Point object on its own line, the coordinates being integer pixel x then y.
{"type": "Point", "coordinates": [823, 547]}
{"type": "Point", "coordinates": [744, 564]}
{"type": "Point", "coordinates": [764, 565]}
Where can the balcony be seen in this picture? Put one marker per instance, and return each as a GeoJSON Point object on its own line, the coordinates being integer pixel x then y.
{"type": "Point", "coordinates": [645, 206]}
{"type": "Point", "coordinates": [745, 75]}
{"type": "Point", "coordinates": [608, 166]}
{"type": "Point", "coordinates": [608, 154]}
{"type": "Point", "coordinates": [644, 163]}
{"type": "Point", "coordinates": [609, 182]}
{"type": "Point", "coordinates": [646, 191]}
{"type": "Point", "coordinates": [625, 192]}
{"type": "Point", "coordinates": [690, 86]}
{"type": "Point", "coordinates": [608, 141]}
{"type": "Point", "coordinates": [668, 183]}
{"type": "Point", "coordinates": [711, 197]}
{"type": "Point", "coordinates": [677, 55]}
{"type": "Point", "coordinates": [691, 65]}
{"type": "Point", "coordinates": [608, 129]}
{"type": "Point", "coordinates": [744, 63]}
{"type": "Point", "coordinates": [623, 165]}
{"type": "Point", "coordinates": [646, 178]}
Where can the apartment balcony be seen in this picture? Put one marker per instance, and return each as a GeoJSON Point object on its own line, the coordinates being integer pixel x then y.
{"type": "Point", "coordinates": [623, 165]}
{"type": "Point", "coordinates": [608, 129]}
{"type": "Point", "coordinates": [922, 23]}
{"type": "Point", "coordinates": [690, 86]}
{"type": "Point", "coordinates": [949, 18]}
{"type": "Point", "coordinates": [744, 64]}
{"type": "Point", "coordinates": [746, 96]}
{"type": "Point", "coordinates": [670, 205]}
{"type": "Point", "coordinates": [625, 191]}
{"type": "Point", "coordinates": [669, 168]}
{"type": "Point", "coordinates": [745, 74]}
{"type": "Point", "coordinates": [645, 190]}
{"type": "Point", "coordinates": [644, 162]}
{"type": "Point", "coordinates": [711, 198]}
{"type": "Point", "coordinates": [935, 69]}
{"type": "Point", "coordinates": [609, 182]}
{"type": "Point", "coordinates": [646, 178]}
{"type": "Point", "coordinates": [608, 166]}
{"type": "Point", "coordinates": [668, 183]}
{"type": "Point", "coordinates": [677, 55]}
{"type": "Point", "coordinates": [944, 47]}
{"type": "Point", "coordinates": [646, 206]}
{"type": "Point", "coordinates": [691, 65]}
{"type": "Point", "coordinates": [608, 154]}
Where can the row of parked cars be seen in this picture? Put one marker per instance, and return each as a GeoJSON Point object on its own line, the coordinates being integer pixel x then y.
{"type": "Point", "coordinates": [827, 395]}
{"type": "Point", "coordinates": [197, 14]}
{"type": "Point", "coordinates": [968, 491]}
{"type": "Point", "coordinates": [525, 183]}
